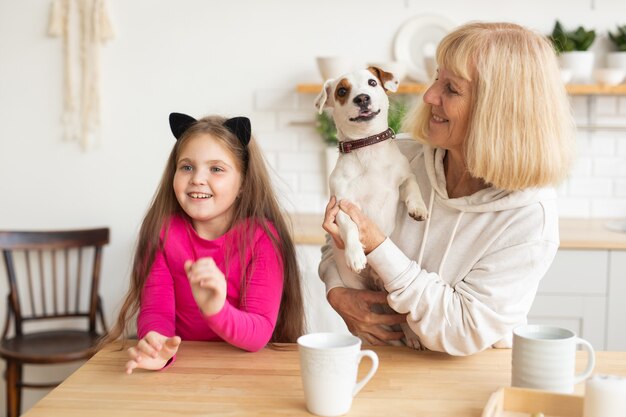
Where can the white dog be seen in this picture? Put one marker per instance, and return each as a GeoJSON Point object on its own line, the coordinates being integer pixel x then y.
{"type": "Point", "coordinates": [371, 171]}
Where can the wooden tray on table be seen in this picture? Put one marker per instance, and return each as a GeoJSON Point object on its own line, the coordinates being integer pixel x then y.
{"type": "Point", "coordinates": [522, 402]}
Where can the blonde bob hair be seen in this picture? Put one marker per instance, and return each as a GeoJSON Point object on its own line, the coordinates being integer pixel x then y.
{"type": "Point", "coordinates": [520, 131]}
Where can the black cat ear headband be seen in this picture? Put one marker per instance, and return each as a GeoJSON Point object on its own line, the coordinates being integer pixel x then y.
{"type": "Point", "coordinates": [239, 126]}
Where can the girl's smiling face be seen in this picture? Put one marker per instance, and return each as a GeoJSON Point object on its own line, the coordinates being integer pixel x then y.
{"type": "Point", "coordinates": [450, 99]}
{"type": "Point", "coordinates": [206, 184]}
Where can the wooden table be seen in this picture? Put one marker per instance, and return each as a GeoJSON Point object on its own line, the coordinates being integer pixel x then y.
{"type": "Point", "coordinates": [218, 379]}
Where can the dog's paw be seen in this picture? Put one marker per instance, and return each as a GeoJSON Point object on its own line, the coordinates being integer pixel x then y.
{"type": "Point", "coordinates": [417, 210]}
{"type": "Point", "coordinates": [355, 258]}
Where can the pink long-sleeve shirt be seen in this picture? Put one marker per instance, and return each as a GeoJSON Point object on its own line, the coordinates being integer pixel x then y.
{"type": "Point", "coordinates": [167, 303]}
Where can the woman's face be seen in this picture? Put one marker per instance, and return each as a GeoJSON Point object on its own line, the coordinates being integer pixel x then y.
{"type": "Point", "coordinates": [450, 98]}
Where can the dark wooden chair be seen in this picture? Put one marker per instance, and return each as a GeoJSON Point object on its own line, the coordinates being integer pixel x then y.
{"type": "Point", "coordinates": [53, 292]}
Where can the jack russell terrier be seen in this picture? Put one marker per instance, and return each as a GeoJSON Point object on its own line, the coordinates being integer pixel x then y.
{"type": "Point", "coordinates": [371, 171]}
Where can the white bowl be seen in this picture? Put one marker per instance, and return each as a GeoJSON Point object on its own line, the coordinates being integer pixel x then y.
{"type": "Point", "coordinates": [609, 76]}
{"type": "Point", "coordinates": [397, 68]}
{"type": "Point", "coordinates": [333, 66]}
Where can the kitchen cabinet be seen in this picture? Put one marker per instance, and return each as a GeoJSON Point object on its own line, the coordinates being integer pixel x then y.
{"type": "Point", "coordinates": [585, 291]}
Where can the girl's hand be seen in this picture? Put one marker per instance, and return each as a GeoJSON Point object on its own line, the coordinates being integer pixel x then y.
{"type": "Point", "coordinates": [208, 285]}
{"type": "Point", "coordinates": [152, 352]}
{"type": "Point", "coordinates": [369, 233]}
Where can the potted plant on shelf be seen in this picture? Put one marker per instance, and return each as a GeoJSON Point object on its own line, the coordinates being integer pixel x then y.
{"type": "Point", "coordinates": [325, 126]}
{"type": "Point", "coordinates": [617, 59]}
{"type": "Point", "coordinates": [573, 50]}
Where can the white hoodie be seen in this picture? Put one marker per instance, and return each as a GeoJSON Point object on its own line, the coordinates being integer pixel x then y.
{"type": "Point", "coordinates": [469, 274]}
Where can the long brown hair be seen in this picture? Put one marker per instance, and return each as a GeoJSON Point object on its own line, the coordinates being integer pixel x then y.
{"type": "Point", "coordinates": [256, 206]}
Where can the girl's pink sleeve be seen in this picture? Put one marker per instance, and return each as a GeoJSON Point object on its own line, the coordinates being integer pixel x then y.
{"type": "Point", "coordinates": [250, 326]}
{"type": "Point", "coordinates": [157, 310]}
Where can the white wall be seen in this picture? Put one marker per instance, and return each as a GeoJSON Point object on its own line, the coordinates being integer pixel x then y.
{"type": "Point", "coordinates": [235, 57]}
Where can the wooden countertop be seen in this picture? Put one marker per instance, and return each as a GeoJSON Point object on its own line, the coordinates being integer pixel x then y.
{"type": "Point", "coordinates": [214, 378]}
{"type": "Point", "coordinates": [575, 233]}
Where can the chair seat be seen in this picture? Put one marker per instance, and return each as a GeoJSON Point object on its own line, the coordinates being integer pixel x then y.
{"type": "Point", "coordinates": [50, 347]}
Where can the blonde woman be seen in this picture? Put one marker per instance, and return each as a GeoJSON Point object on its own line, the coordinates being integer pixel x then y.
{"type": "Point", "coordinates": [494, 135]}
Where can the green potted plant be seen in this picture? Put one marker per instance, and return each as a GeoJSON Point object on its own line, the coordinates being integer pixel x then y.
{"type": "Point", "coordinates": [617, 58]}
{"type": "Point", "coordinates": [325, 127]}
{"type": "Point", "coordinates": [573, 49]}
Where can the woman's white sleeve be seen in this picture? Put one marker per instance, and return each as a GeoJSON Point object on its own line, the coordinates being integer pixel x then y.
{"type": "Point", "coordinates": [476, 313]}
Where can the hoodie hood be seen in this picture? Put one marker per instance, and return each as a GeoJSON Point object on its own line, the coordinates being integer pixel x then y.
{"type": "Point", "coordinates": [487, 200]}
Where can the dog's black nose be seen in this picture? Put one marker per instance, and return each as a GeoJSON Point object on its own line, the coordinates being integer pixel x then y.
{"type": "Point", "coordinates": [361, 100]}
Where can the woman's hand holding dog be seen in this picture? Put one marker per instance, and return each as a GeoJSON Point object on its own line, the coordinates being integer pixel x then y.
{"type": "Point", "coordinates": [355, 308]}
{"type": "Point", "coordinates": [208, 285]}
{"type": "Point", "coordinates": [369, 233]}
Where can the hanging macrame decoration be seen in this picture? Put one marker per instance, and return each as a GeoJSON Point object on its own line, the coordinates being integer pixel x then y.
{"type": "Point", "coordinates": [84, 26]}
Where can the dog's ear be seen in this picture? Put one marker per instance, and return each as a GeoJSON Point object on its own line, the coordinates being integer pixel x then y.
{"type": "Point", "coordinates": [324, 98]}
{"type": "Point", "coordinates": [387, 79]}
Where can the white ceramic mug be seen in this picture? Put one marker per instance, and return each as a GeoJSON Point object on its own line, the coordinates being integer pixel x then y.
{"type": "Point", "coordinates": [329, 364]}
{"type": "Point", "coordinates": [544, 357]}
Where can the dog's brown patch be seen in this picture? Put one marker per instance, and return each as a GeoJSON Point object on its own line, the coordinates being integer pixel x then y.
{"type": "Point", "coordinates": [382, 76]}
{"type": "Point", "coordinates": [343, 84]}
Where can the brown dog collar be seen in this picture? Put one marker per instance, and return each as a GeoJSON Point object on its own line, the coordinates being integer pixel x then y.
{"type": "Point", "coordinates": [349, 145]}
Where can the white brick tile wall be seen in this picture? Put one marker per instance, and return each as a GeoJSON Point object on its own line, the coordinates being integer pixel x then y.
{"type": "Point", "coordinates": [602, 144]}
{"type": "Point", "coordinates": [301, 162]}
{"type": "Point", "coordinates": [574, 207]}
{"type": "Point", "coordinates": [302, 119]}
{"type": "Point", "coordinates": [620, 188]}
{"type": "Point", "coordinates": [275, 99]}
{"type": "Point", "coordinates": [305, 101]}
{"type": "Point", "coordinates": [263, 121]}
{"type": "Point", "coordinates": [579, 107]}
{"type": "Point", "coordinates": [284, 124]}
{"type": "Point", "coordinates": [610, 207]}
{"type": "Point", "coordinates": [609, 167]}
{"type": "Point", "coordinates": [278, 141]}
{"type": "Point", "coordinates": [582, 166]}
{"type": "Point", "coordinates": [315, 183]}
{"type": "Point", "coordinates": [590, 187]}
{"type": "Point", "coordinates": [605, 105]}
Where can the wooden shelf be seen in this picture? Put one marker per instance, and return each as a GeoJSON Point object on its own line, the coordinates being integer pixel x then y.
{"type": "Point", "coordinates": [416, 88]}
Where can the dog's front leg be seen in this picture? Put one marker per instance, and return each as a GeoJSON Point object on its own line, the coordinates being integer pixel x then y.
{"type": "Point", "coordinates": [411, 196]}
{"type": "Point", "coordinates": [355, 257]}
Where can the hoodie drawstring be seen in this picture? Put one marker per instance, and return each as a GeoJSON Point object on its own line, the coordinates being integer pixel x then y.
{"type": "Point", "coordinates": [430, 216]}
{"type": "Point", "coordinates": [445, 254]}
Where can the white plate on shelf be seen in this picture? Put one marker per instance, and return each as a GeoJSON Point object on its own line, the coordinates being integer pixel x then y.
{"type": "Point", "coordinates": [416, 43]}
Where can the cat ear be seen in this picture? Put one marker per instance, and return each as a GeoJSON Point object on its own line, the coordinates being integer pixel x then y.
{"type": "Point", "coordinates": [179, 123]}
{"type": "Point", "coordinates": [240, 126]}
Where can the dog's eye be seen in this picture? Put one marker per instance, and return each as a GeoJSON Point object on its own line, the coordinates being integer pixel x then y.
{"type": "Point", "coordinates": [342, 92]}
{"type": "Point", "coordinates": [372, 82]}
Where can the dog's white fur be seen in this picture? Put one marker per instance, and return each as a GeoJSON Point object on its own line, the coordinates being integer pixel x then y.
{"type": "Point", "coordinates": [374, 177]}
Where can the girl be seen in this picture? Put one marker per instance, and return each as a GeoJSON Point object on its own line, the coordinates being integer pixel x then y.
{"type": "Point", "coordinates": [214, 259]}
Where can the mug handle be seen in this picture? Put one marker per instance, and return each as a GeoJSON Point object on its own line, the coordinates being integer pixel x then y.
{"type": "Point", "coordinates": [374, 358]}
{"type": "Point", "coordinates": [591, 360]}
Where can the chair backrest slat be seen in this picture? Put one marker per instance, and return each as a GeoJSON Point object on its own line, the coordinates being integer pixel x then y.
{"type": "Point", "coordinates": [42, 282]}
{"type": "Point", "coordinates": [66, 270]}
{"type": "Point", "coordinates": [78, 280]}
{"type": "Point", "coordinates": [31, 291]}
{"type": "Point", "coordinates": [55, 257]}
{"type": "Point", "coordinates": [55, 305]}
